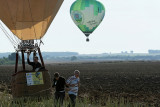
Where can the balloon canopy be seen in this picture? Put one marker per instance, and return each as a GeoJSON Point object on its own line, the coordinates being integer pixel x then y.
{"type": "Point", "coordinates": [28, 19]}
{"type": "Point", "coordinates": [87, 15]}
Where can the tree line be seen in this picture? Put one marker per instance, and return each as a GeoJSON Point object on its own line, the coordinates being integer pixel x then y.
{"type": "Point", "coordinates": [9, 60]}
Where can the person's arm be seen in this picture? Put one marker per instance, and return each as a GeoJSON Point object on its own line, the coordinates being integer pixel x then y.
{"type": "Point", "coordinates": [39, 64]}
{"type": "Point", "coordinates": [64, 82]}
{"type": "Point", "coordinates": [53, 85]}
{"type": "Point", "coordinates": [78, 84]}
{"type": "Point", "coordinates": [68, 82]}
{"type": "Point", "coordinates": [30, 63]}
{"type": "Point", "coordinates": [67, 85]}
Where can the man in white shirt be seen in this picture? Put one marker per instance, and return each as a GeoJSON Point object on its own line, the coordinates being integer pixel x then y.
{"type": "Point", "coordinates": [73, 84]}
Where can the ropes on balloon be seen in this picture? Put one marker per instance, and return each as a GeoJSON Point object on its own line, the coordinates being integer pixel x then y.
{"type": "Point", "coordinates": [14, 40]}
{"type": "Point", "coordinates": [11, 39]}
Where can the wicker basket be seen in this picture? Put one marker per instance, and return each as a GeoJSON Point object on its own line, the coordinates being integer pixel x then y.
{"type": "Point", "coordinates": [21, 89]}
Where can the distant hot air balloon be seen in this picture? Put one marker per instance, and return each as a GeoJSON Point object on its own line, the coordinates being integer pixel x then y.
{"type": "Point", "coordinates": [87, 15]}
{"type": "Point", "coordinates": [28, 20]}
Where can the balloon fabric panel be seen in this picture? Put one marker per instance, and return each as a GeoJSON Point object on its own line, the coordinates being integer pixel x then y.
{"type": "Point", "coordinates": [28, 19]}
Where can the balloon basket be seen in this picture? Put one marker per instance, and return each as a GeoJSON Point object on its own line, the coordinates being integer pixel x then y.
{"type": "Point", "coordinates": [87, 40]}
{"type": "Point", "coordinates": [31, 84]}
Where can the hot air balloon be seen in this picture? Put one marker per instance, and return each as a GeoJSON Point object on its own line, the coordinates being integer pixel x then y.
{"type": "Point", "coordinates": [87, 15]}
{"type": "Point", "coordinates": [28, 20]}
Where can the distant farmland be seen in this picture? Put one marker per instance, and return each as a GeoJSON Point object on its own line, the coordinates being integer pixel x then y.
{"type": "Point", "coordinates": [134, 81]}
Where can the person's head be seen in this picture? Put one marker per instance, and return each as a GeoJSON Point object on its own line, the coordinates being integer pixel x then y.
{"type": "Point", "coordinates": [56, 75]}
{"type": "Point", "coordinates": [76, 73]}
{"type": "Point", "coordinates": [35, 59]}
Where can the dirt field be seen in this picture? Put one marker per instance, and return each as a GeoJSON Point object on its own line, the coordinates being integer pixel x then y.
{"type": "Point", "coordinates": [134, 81]}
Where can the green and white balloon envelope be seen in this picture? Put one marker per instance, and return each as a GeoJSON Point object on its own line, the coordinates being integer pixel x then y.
{"type": "Point", "coordinates": [87, 15]}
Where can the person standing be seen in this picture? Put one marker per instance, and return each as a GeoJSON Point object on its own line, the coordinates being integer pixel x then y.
{"type": "Point", "coordinates": [59, 83]}
{"type": "Point", "coordinates": [35, 65]}
{"type": "Point", "coordinates": [73, 84]}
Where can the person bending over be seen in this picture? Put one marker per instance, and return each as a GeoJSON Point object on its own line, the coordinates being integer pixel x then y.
{"type": "Point", "coordinates": [59, 83]}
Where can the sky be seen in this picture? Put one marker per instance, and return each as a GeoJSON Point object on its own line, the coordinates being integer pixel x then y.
{"type": "Point", "coordinates": [127, 25]}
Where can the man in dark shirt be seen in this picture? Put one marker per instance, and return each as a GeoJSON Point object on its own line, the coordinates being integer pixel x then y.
{"type": "Point", "coordinates": [35, 65]}
{"type": "Point", "coordinates": [59, 83]}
